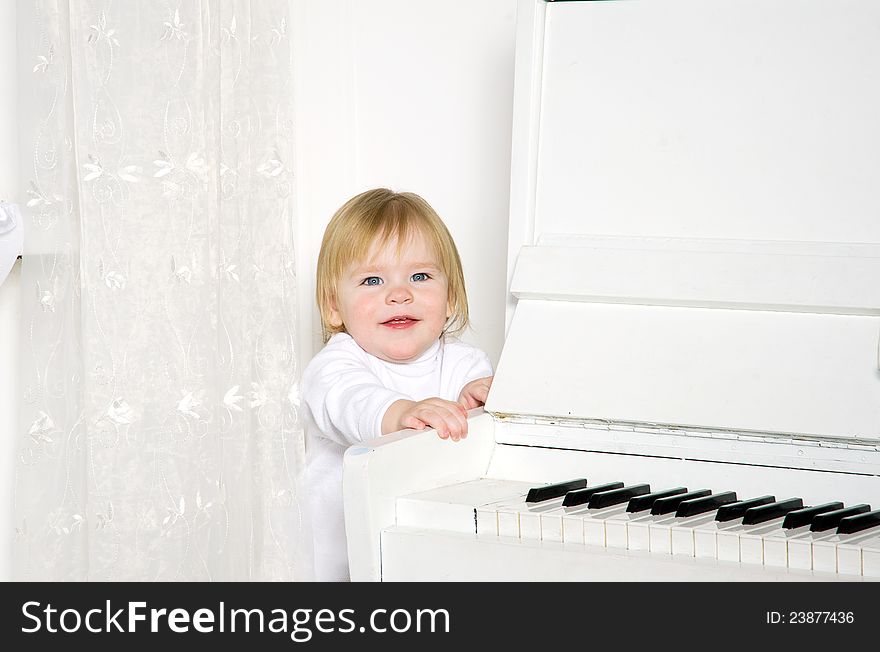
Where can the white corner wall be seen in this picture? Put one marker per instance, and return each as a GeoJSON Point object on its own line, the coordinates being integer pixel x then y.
{"type": "Point", "coordinates": [415, 96]}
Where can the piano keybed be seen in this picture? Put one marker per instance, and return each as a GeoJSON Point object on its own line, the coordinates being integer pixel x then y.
{"type": "Point", "coordinates": [830, 539]}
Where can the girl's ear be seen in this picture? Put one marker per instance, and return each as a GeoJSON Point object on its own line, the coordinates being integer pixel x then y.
{"type": "Point", "coordinates": [333, 314]}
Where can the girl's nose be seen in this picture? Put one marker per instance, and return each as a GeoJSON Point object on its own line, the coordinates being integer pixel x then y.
{"type": "Point", "coordinates": [399, 294]}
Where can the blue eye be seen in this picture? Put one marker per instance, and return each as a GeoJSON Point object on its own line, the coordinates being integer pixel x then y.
{"type": "Point", "coordinates": [419, 276]}
{"type": "Point", "coordinates": [372, 280]}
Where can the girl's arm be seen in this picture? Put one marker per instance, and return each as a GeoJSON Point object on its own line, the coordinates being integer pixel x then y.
{"type": "Point", "coordinates": [346, 399]}
{"type": "Point", "coordinates": [350, 404]}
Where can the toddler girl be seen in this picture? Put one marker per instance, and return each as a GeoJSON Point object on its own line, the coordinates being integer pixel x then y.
{"type": "Point", "coordinates": [391, 294]}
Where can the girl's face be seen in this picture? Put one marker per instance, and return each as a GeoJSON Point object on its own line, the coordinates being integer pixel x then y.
{"type": "Point", "coordinates": [393, 306]}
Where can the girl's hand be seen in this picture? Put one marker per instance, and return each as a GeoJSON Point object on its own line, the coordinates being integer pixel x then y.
{"type": "Point", "coordinates": [449, 419]}
{"type": "Point", "coordinates": [475, 393]}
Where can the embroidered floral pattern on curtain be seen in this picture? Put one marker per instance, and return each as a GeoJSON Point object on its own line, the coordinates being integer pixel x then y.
{"type": "Point", "coordinates": [160, 433]}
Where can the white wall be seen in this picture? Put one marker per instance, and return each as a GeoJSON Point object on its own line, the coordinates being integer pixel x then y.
{"type": "Point", "coordinates": [416, 96]}
{"type": "Point", "coordinates": [10, 295]}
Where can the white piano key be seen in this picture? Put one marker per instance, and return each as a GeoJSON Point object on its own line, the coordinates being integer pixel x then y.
{"type": "Point", "coordinates": [594, 524]}
{"type": "Point", "coordinates": [706, 537]}
{"type": "Point", "coordinates": [573, 525]}
{"type": "Point", "coordinates": [508, 522]}
{"type": "Point", "coordinates": [660, 535]}
{"type": "Point", "coordinates": [706, 541]}
{"type": "Point", "coordinates": [705, 544]}
{"type": "Point", "coordinates": [825, 555]}
{"type": "Point", "coordinates": [586, 531]}
{"type": "Point", "coordinates": [849, 559]}
{"type": "Point", "coordinates": [594, 532]}
{"type": "Point", "coordinates": [616, 529]}
{"type": "Point", "coordinates": [751, 549]}
{"type": "Point", "coordinates": [637, 534]}
{"type": "Point", "coordinates": [553, 522]}
{"type": "Point", "coordinates": [494, 517]}
{"type": "Point", "coordinates": [800, 549]}
{"type": "Point", "coordinates": [742, 543]}
{"type": "Point", "coordinates": [517, 518]}
{"type": "Point", "coordinates": [502, 514]}
{"type": "Point", "coordinates": [775, 552]}
{"type": "Point", "coordinates": [751, 541]}
{"type": "Point", "coordinates": [551, 527]}
{"type": "Point", "coordinates": [529, 526]}
{"type": "Point", "coordinates": [530, 517]}
{"type": "Point", "coordinates": [729, 540]}
{"type": "Point", "coordinates": [669, 532]}
{"type": "Point", "coordinates": [578, 526]}
{"type": "Point", "coordinates": [851, 551]}
{"type": "Point", "coordinates": [871, 558]}
{"type": "Point", "coordinates": [615, 534]}
{"type": "Point", "coordinates": [777, 547]}
{"type": "Point", "coordinates": [684, 534]}
{"type": "Point", "coordinates": [728, 544]}
{"type": "Point", "coordinates": [800, 554]}
{"type": "Point", "coordinates": [840, 553]}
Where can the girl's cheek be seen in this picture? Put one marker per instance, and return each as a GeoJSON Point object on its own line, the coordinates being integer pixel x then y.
{"type": "Point", "coordinates": [368, 305]}
{"type": "Point", "coordinates": [362, 309]}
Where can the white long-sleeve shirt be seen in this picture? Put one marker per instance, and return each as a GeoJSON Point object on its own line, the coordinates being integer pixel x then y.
{"type": "Point", "coordinates": [347, 392]}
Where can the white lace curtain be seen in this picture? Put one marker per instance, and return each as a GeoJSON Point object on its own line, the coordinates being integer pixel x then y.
{"type": "Point", "coordinates": [160, 436]}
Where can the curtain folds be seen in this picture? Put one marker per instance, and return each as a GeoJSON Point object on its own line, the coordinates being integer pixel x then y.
{"type": "Point", "coordinates": [160, 436]}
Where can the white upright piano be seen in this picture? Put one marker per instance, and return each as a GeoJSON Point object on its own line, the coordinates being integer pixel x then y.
{"type": "Point", "coordinates": [690, 382]}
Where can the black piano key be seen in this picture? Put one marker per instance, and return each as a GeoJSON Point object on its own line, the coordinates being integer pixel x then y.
{"type": "Point", "coordinates": [852, 524]}
{"type": "Point", "coordinates": [710, 503]}
{"type": "Point", "coordinates": [830, 520]}
{"type": "Point", "coordinates": [640, 503]}
{"type": "Point", "coordinates": [550, 491]}
{"type": "Point", "coordinates": [802, 517]}
{"type": "Point", "coordinates": [768, 512]}
{"type": "Point", "coordinates": [582, 496]}
{"type": "Point", "coordinates": [670, 504]}
{"type": "Point", "coordinates": [739, 508]}
{"type": "Point", "coordinates": [603, 499]}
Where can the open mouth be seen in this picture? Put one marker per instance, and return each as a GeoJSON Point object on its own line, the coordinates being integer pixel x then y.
{"type": "Point", "coordinates": [400, 321]}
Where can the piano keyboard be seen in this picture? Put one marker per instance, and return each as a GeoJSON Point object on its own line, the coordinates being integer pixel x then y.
{"type": "Point", "coordinates": [677, 522]}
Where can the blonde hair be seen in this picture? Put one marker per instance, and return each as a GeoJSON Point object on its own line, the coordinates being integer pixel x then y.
{"type": "Point", "coordinates": [380, 215]}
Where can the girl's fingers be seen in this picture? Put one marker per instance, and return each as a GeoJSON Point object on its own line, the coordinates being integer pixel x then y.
{"type": "Point", "coordinates": [469, 401]}
{"type": "Point", "coordinates": [447, 422]}
{"type": "Point", "coordinates": [450, 410]}
{"type": "Point", "coordinates": [414, 422]}
{"type": "Point", "coordinates": [459, 423]}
